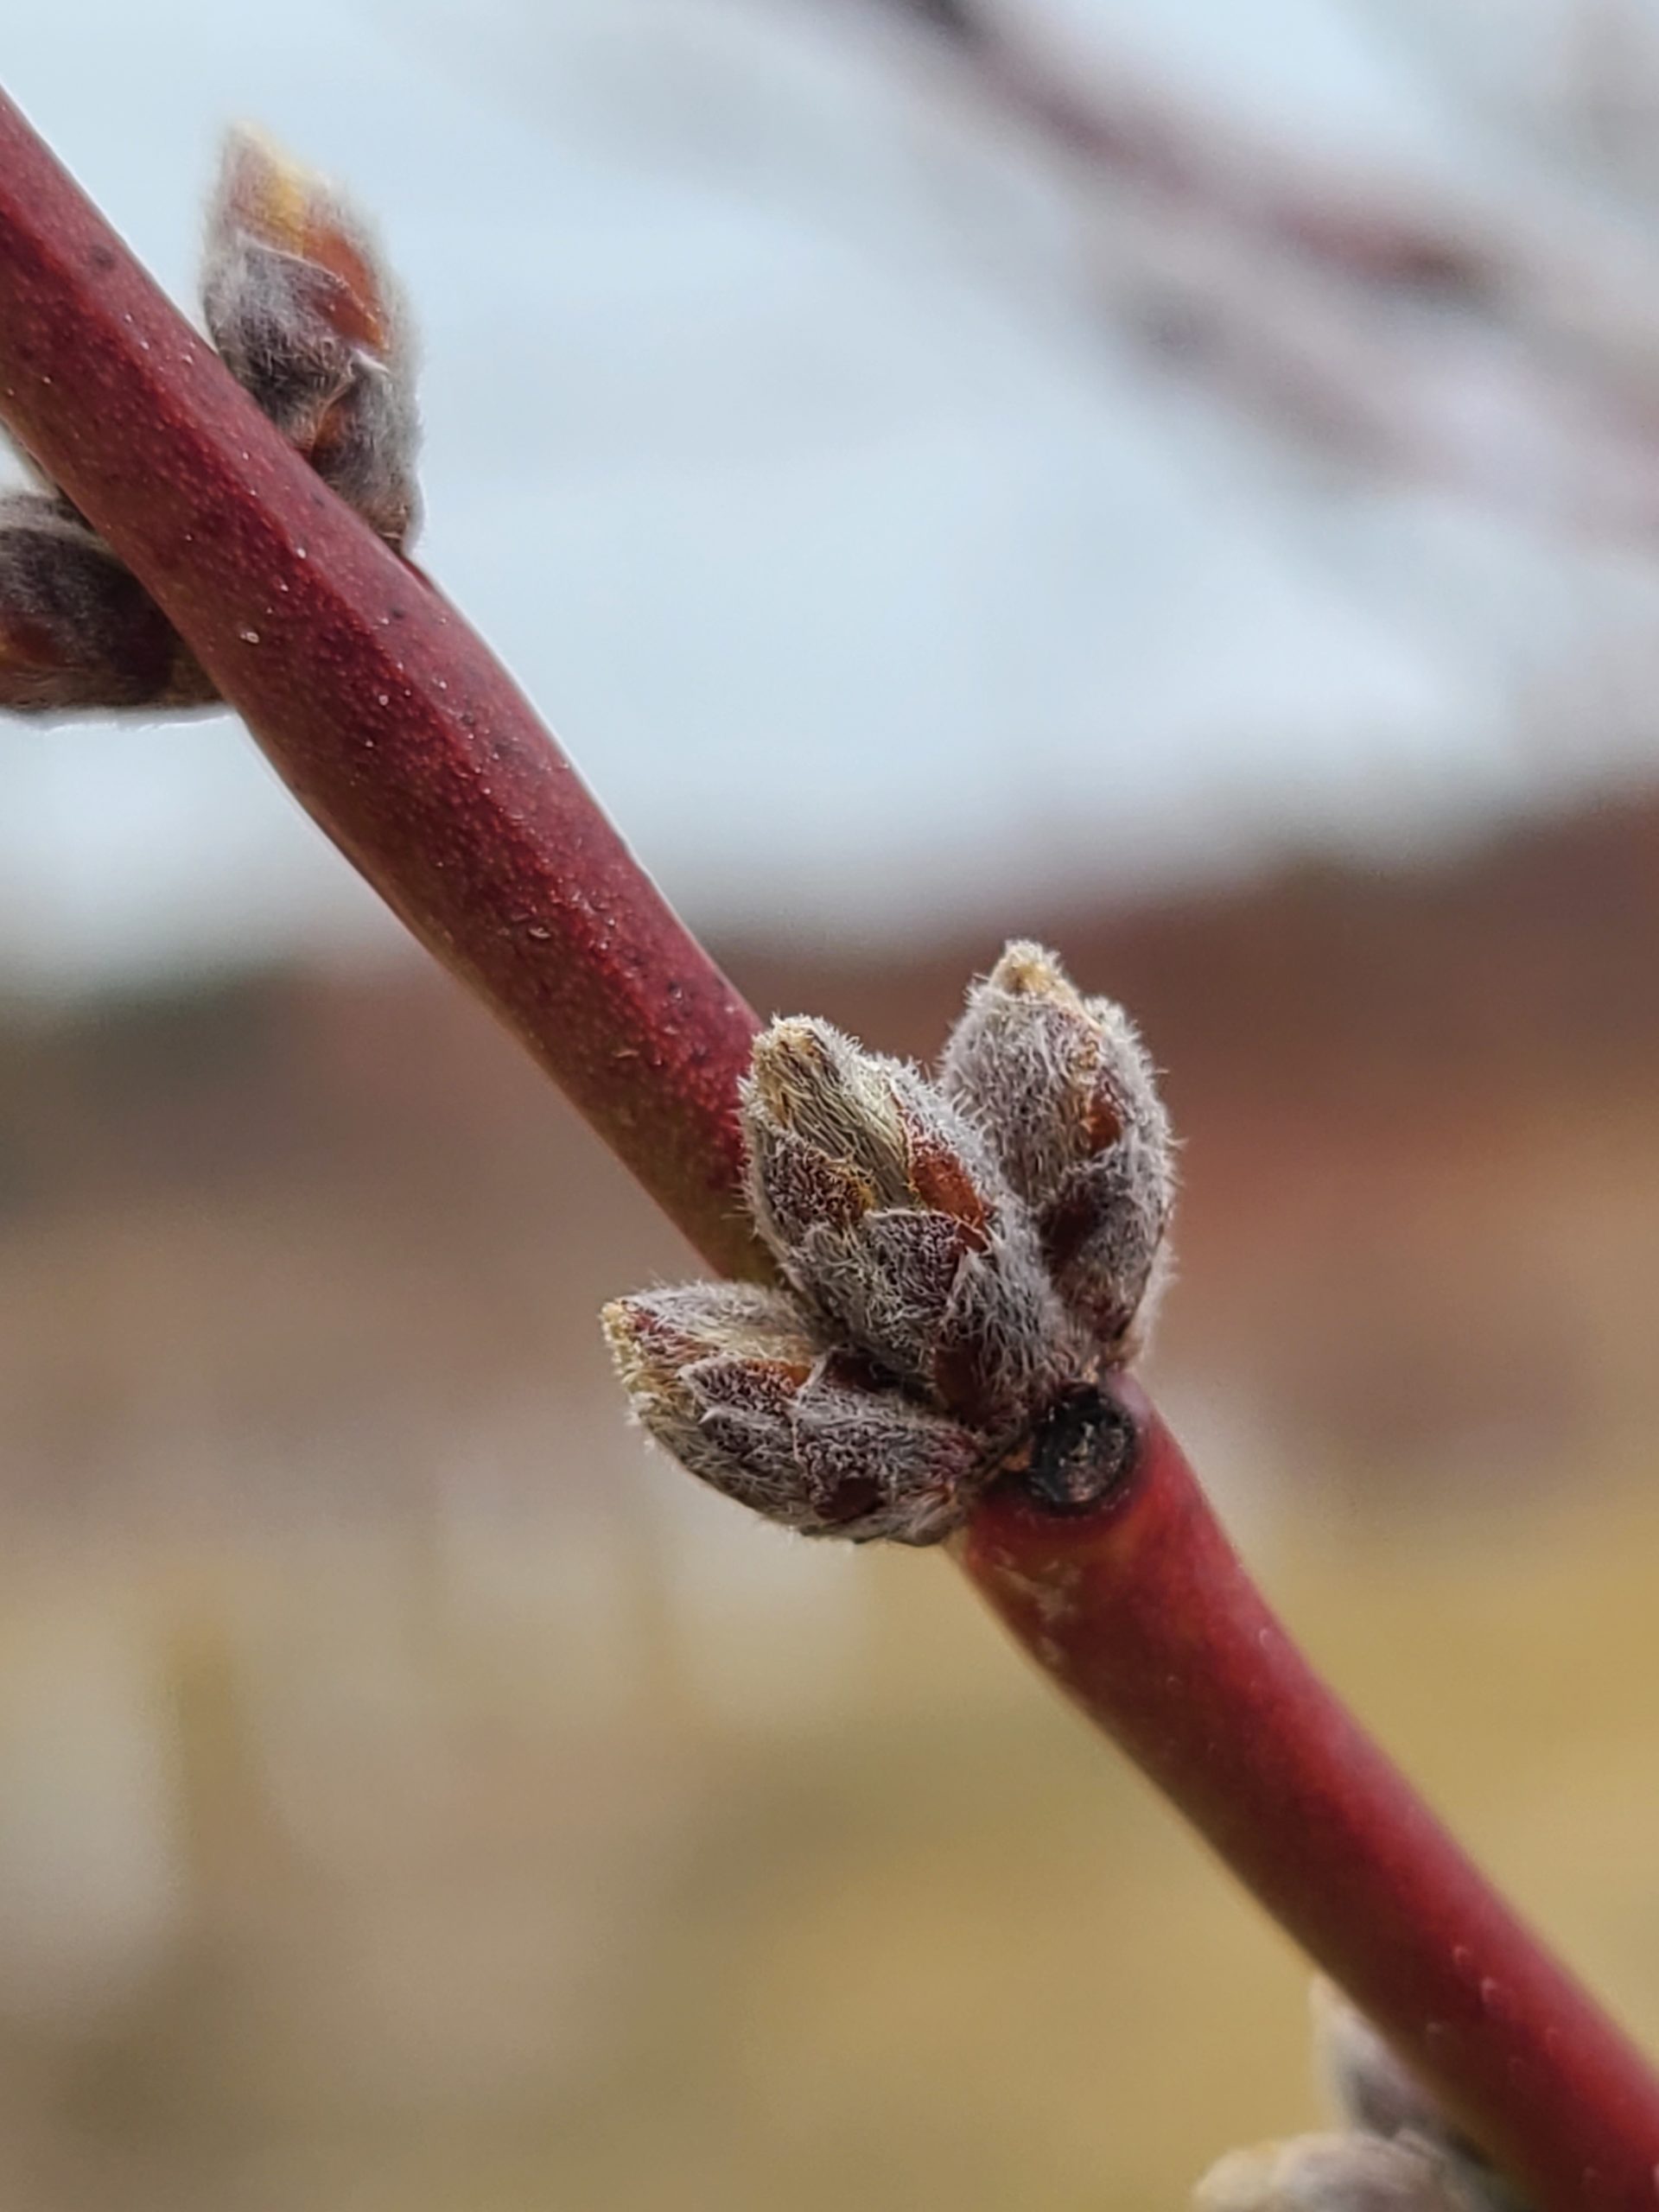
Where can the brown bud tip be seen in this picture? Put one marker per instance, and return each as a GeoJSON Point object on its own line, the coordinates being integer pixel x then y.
{"type": "Point", "coordinates": [1333, 2173]}
{"type": "Point", "coordinates": [1064, 1091]}
{"type": "Point", "coordinates": [808, 1083]}
{"type": "Point", "coordinates": [736, 1383]}
{"type": "Point", "coordinates": [658, 1336]}
{"type": "Point", "coordinates": [78, 631]}
{"type": "Point", "coordinates": [311, 324]}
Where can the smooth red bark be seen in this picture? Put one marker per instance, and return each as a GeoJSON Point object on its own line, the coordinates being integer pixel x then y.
{"type": "Point", "coordinates": [392, 723]}
{"type": "Point", "coordinates": [416, 753]}
{"type": "Point", "coordinates": [1144, 1613]}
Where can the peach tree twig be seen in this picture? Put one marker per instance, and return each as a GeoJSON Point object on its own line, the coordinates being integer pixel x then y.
{"type": "Point", "coordinates": [392, 723]}
{"type": "Point", "coordinates": [412, 747]}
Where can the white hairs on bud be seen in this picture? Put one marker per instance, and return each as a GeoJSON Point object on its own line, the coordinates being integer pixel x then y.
{"type": "Point", "coordinates": [1373, 2089]}
{"type": "Point", "coordinates": [308, 317]}
{"type": "Point", "coordinates": [734, 1383]}
{"type": "Point", "coordinates": [887, 1213]}
{"type": "Point", "coordinates": [1064, 1090]}
{"type": "Point", "coordinates": [965, 1261]}
{"type": "Point", "coordinates": [1335, 2173]}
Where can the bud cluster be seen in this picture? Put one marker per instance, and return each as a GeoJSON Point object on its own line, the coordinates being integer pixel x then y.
{"type": "Point", "coordinates": [962, 1261]}
{"type": "Point", "coordinates": [308, 321]}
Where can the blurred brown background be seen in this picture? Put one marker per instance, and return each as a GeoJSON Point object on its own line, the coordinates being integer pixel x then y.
{"type": "Point", "coordinates": [412, 1796]}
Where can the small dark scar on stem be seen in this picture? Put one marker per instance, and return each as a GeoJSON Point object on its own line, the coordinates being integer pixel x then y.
{"type": "Point", "coordinates": [1081, 1452]}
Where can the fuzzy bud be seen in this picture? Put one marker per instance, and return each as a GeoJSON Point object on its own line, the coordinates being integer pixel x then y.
{"type": "Point", "coordinates": [1371, 2087]}
{"type": "Point", "coordinates": [1334, 2173]}
{"type": "Point", "coordinates": [310, 323]}
{"type": "Point", "coordinates": [888, 1213]}
{"type": "Point", "coordinates": [734, 1383]}
{"type": "Point", "coordinates": [1063, 1090]}
{"type": "Point", "coordinates": [1376, 2091]}
{"type": "Point", "coordinates": [78, 631]}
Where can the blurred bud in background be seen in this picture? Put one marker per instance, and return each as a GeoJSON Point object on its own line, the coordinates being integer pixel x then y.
{"type": "Point", "coordinates": [77, 631]}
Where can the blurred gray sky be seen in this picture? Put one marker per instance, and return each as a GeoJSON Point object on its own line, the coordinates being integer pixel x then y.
{"type": "Point", "coordinates": [790, 434]}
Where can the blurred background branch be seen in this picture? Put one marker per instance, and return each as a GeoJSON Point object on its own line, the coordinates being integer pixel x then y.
{"type": "Point", "coordinates": [1417, 332]}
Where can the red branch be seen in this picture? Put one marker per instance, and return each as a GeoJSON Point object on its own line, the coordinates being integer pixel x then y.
{"type": "Point", "coordinates": [413, 749]}
{"type": "Point", "coordinates": [1144, 1614]}
{"type": "Point", "coordinates": [387, 716]}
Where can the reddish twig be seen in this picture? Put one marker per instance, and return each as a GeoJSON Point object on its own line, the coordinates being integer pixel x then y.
{"type": "Point", "coordinates": [413, 749]}
{"type": "Point", "coordinates": [1145, 1613]}
{"type": "Point", "coordinates": [392, 723]}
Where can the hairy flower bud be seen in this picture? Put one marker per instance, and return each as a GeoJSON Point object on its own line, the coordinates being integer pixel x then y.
{"type": "Point", "coordinates": [1335, 2173]}
{"type": "Point", "coordinates": [887, 1212]}
{"type": "Point", "coordinates": [1376, 2091]}
{"type": "Point", "coordinates": [921, 1350]}
{"type": "Point", "coordinates": [733, 1380]}
{"type": "Point", "coordinates": [78, 631]}
{"type": "Point", "coordinates": [1371, 2087]}
{"type": "Point", "coordinates": [310, 323]}
{"type": "Point", "coordinates": [1063, 1090]}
